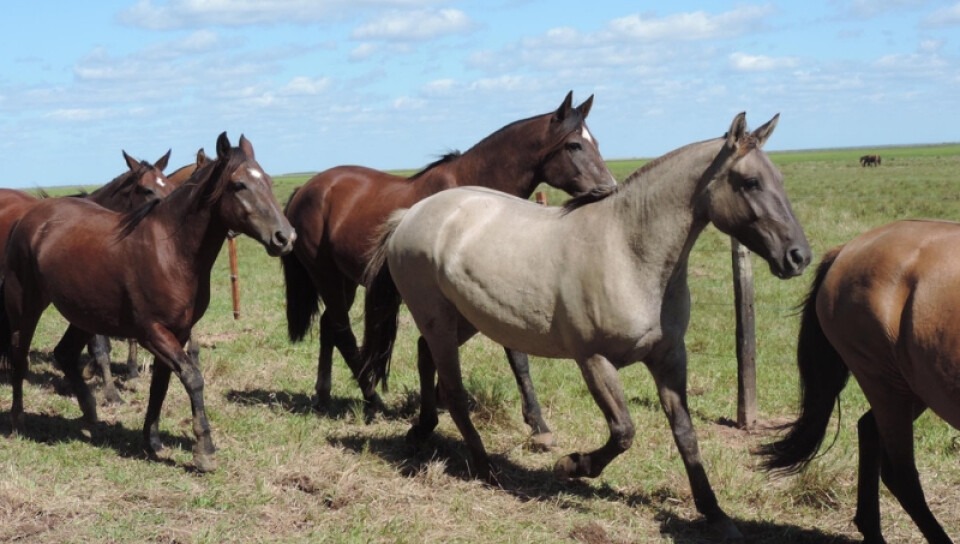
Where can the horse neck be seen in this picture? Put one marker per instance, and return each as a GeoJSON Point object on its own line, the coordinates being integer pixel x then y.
{"type": "Point", "coordinates": [662, 210]}
{"type": "Point", "coordinates": [107, 196]}
{"type": "Point", "coordinates": [506, 160]}
{"type": "Point", "coordinates": [191, 226]}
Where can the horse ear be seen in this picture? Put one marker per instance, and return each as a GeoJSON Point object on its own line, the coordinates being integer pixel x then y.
{"type": "Point", "coordinates": [161, 164]}
{"type": "Point", "coordinates": [738, 129]}
{"type": "Point", "coordinates": [764, 132]}
{"type": "Point", "coordinates": [202, 157]}
{"type": "Point", "coordinates": [247, 147]}
{"type": "Point", "coordinates": [132, 163]}
{"type": "Point", "coordinates": [584, 108]}
{"type": "Point", "coordinates": [223, 145]}
{"type": "Point", "coordinates": [564, 110]}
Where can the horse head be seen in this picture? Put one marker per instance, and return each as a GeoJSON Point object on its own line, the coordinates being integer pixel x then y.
{"type": "Point", "coordinates": [246, 201]}
{"type": "Point", "coordinates": [572, 160]}
{"type": "Point", "coordinates": [748, 200]}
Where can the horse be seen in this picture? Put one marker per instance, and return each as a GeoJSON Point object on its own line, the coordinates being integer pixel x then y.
{"type": "Point", "coordinates": [153, 267]}
{"type": "Point", "coordinates": [870, 160]}
{"type": "Point", "coordinates": [141, 183]}
{"type": "Point", "coordinates": [99, 346]}
{"type": "Point", "coordinates": [882, 308]}
{"type": "Point", "coordinates": [602, 280]}
{"type": "Point", "coordinates": [337, 212]}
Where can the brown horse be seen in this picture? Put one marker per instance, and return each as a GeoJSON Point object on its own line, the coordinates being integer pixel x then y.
{"type": "Point", "coordinates": [153, 266]}
{"type": "Point", "coordinates": [882, 307]}
{"type": "Point", "coordinates": [870, 160]}
{"type": "Point", "coordinates": [337, 212]}
{"type": "Point", "coordinates": [99, 346]}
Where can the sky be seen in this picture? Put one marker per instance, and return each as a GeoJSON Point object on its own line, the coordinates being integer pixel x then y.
{"type": "Point", "coordinates": [393, 84]}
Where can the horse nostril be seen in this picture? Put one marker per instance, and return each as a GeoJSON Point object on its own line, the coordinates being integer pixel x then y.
{"type": "Point", "coordinates": [280, 238]}
{"type": "Point", "coordinates": [798, 256]}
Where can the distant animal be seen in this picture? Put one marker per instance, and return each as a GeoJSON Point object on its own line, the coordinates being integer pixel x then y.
{"type": "Point", "coordinates": [884, 308]}
{"type": "Point", "coordinates": [870, 160]}
{"type": "Point", "coordinates": [338, 211]}
{"type": "Point", "coordinates": [602, 280]}
{"type": "Point", "coordinates": [152, 267]}
{"type": "Point", "coordinates": [99, 346]}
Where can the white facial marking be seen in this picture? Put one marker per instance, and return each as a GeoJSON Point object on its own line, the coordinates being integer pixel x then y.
{"type": "Point", "coordinates": [586, 135]}
{"type": "Point", "coordinates": [254, 173]}
{"type": "Point", "coordinates": [161, 183]}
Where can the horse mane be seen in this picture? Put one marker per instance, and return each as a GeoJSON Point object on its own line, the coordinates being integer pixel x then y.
{"type": "Point", "coordinates": [450, 156]}
{"type": "Point", "coordinates": [206, 185]}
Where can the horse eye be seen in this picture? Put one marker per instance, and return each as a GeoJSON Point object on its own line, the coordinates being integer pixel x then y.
{"type": "Point", "coordinates": [239, 186]}
{"type": "Point", "coordinates": [574, 146]}
{"type": "Point", "coordinates": [751, 184]}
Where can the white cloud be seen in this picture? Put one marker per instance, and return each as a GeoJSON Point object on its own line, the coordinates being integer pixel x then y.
{"type": "Point", "coordinates": [873, 8]}
{"type": "Point", "coordinates": [306, 86]}
{"type": "Point", "coordinates": [414, 25]}
{"type": "Point", "coordinates": [948, 16]}
{"type": "Point", "coordinates": [691, 26]}
{"type": "Point", "coordinates": [173, 14]}
{"type": "Point", "coordinates": [363, 51]}
{"type": "Point", "coordinates": [81, 114]}
{"type": "Point", "coordinates": [760, 63]}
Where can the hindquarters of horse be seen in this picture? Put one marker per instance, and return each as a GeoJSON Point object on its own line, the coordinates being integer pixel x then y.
{"type": "Point", "coordinates": [891, 306]}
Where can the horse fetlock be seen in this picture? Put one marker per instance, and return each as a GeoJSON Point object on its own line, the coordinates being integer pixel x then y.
{"type": "Point", "coordinates": [541, 442]}
{"type": "Point", "coordinates": [575, 465]}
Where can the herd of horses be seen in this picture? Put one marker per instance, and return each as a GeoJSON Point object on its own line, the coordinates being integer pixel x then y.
{"type": "Point", "coordinates": [601, 280]}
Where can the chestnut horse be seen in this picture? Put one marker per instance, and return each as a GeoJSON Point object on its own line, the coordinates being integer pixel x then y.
{"type": "Point", "coordinates": [99, 346]}
{"type": "Point", "coordinates": [882, 307]}
{"type": "Point", "coordinates": [338, 211]}
{"type": "Point", "coordinates": [602, 281]}
{"type": "Point", "coordinates": [153, 268]}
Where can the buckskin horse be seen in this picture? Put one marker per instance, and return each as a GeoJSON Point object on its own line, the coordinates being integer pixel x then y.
{"type": "Point", "coordinates": [602, 281]}
{"type": "Point", "coordinates": [884, 308]}
{"type": "Point", "coordinates": [338, 211]}
{"type": "Point", "coordinates": [153, 268]}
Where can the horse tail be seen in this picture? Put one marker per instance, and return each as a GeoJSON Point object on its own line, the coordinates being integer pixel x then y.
{"type": "Point", "coordinates": [303, 301]}
{"type": "Point", "coordinates": [5, 334]}
{"type": "Point", "coordinates": [823, 375]}
{"type": "Point", "coordinates": [381, 308]}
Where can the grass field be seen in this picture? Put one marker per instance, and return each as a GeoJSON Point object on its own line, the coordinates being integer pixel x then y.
{"type": "Point", "coordinates": [290, 475]}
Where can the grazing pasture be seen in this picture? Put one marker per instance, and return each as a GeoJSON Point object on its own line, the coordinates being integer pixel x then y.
{"type": "Point", "coordinates": [288, 475]}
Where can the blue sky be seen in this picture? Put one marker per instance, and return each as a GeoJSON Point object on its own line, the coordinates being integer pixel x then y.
{"type": "Point", "coordinates": [395, 83]}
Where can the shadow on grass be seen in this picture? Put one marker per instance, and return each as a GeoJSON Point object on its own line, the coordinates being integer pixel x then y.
{"type": "Point", "coordinates": [302, 404]}
{"type": "Point", "coordinates": [540, 485]}
{"type": "Point", "coordinates": [127, 443]}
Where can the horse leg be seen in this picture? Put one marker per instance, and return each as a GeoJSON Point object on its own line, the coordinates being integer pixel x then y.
{"type": "Point", "coordinates": [99, 347]}
{"type": "Point", "coordinates": [670, 375]}
{"type": "Point", "coordinates": [193, 350]}
{"type": "Point", "coordinates": [169, 351]}
{"type": "Point", "coordinates": [898, 467]}
{"type": "Point", "coordinates": [428, 418]}
{"type": "Point", "coordinates": [159, 383]}
{"type": "Point", "coordinates": [67, 354]}
{"type": "Point", "coordinates": [867, 518]}
{"type": "Point", "coordinates": [604, 385]}
{"type": "Point", "coordinates": [22, 318]}
{"type": "Point", "coordinates": [325, 363]}
{"type": "Point", "coordinates": [542, 437]}
{"type": "Point", "coordinates": [133, 365]}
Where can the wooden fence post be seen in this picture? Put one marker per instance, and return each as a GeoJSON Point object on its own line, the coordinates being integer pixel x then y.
{"type": "Point", "coordinates": [746, 336]}
{"type": "Point", "coordinates": [234, 276]}
{"type": "Point", "coordinates": [541, 198]}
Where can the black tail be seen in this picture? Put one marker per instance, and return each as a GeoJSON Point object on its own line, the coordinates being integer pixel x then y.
{"type": "Point", "coordinates": [5, 335]}
{"type": "Point", "coordinates": [303, 303]}
{"type": "Point", "coordinates": [381, 308]}
{"type": "Point", "coordinates": [823, 375]}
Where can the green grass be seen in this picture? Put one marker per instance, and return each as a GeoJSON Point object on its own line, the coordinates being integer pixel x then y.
{"type": "Point", "coordinates": [289, 475]}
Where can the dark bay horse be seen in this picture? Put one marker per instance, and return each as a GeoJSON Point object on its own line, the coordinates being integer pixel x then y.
{"type": "Point", "coordinates": [141, 183]}
{"type": "Point", "coordinates": [882, 307]}
{"type": "Point", "coordinates": [153, 266]}
{"type": "Point", "coordinates": [99, 346]}
{"type": "Point", "coordinates": [338, 211]}
{"type": "Point", "coordinates": [602, 281]}
{"type": "Point", "coordinates": [870, 160]}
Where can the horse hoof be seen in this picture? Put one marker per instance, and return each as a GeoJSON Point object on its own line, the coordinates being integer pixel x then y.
{"type": "Point", "coordinates": [565, 468]}
{"type": "Point", "coordinates": [542, 442]}
{"type": "Point", "coordinates": [726, 531]}
{"type": "Point", "coordinates": [111, 397]}
{"type": "Point", "coordinates": [205, 462]}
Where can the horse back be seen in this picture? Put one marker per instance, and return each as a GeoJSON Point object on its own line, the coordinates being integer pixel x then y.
{"type": "Point", "coordinates": [891, 306]}
{"type": "Point", "coordinates": [13, 205]}
{"type": "Point", "coordinates": [337, 213]}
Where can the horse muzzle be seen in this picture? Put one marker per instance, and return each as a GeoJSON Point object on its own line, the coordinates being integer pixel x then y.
{"type": "Point", "coordinates": [281, 242]}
